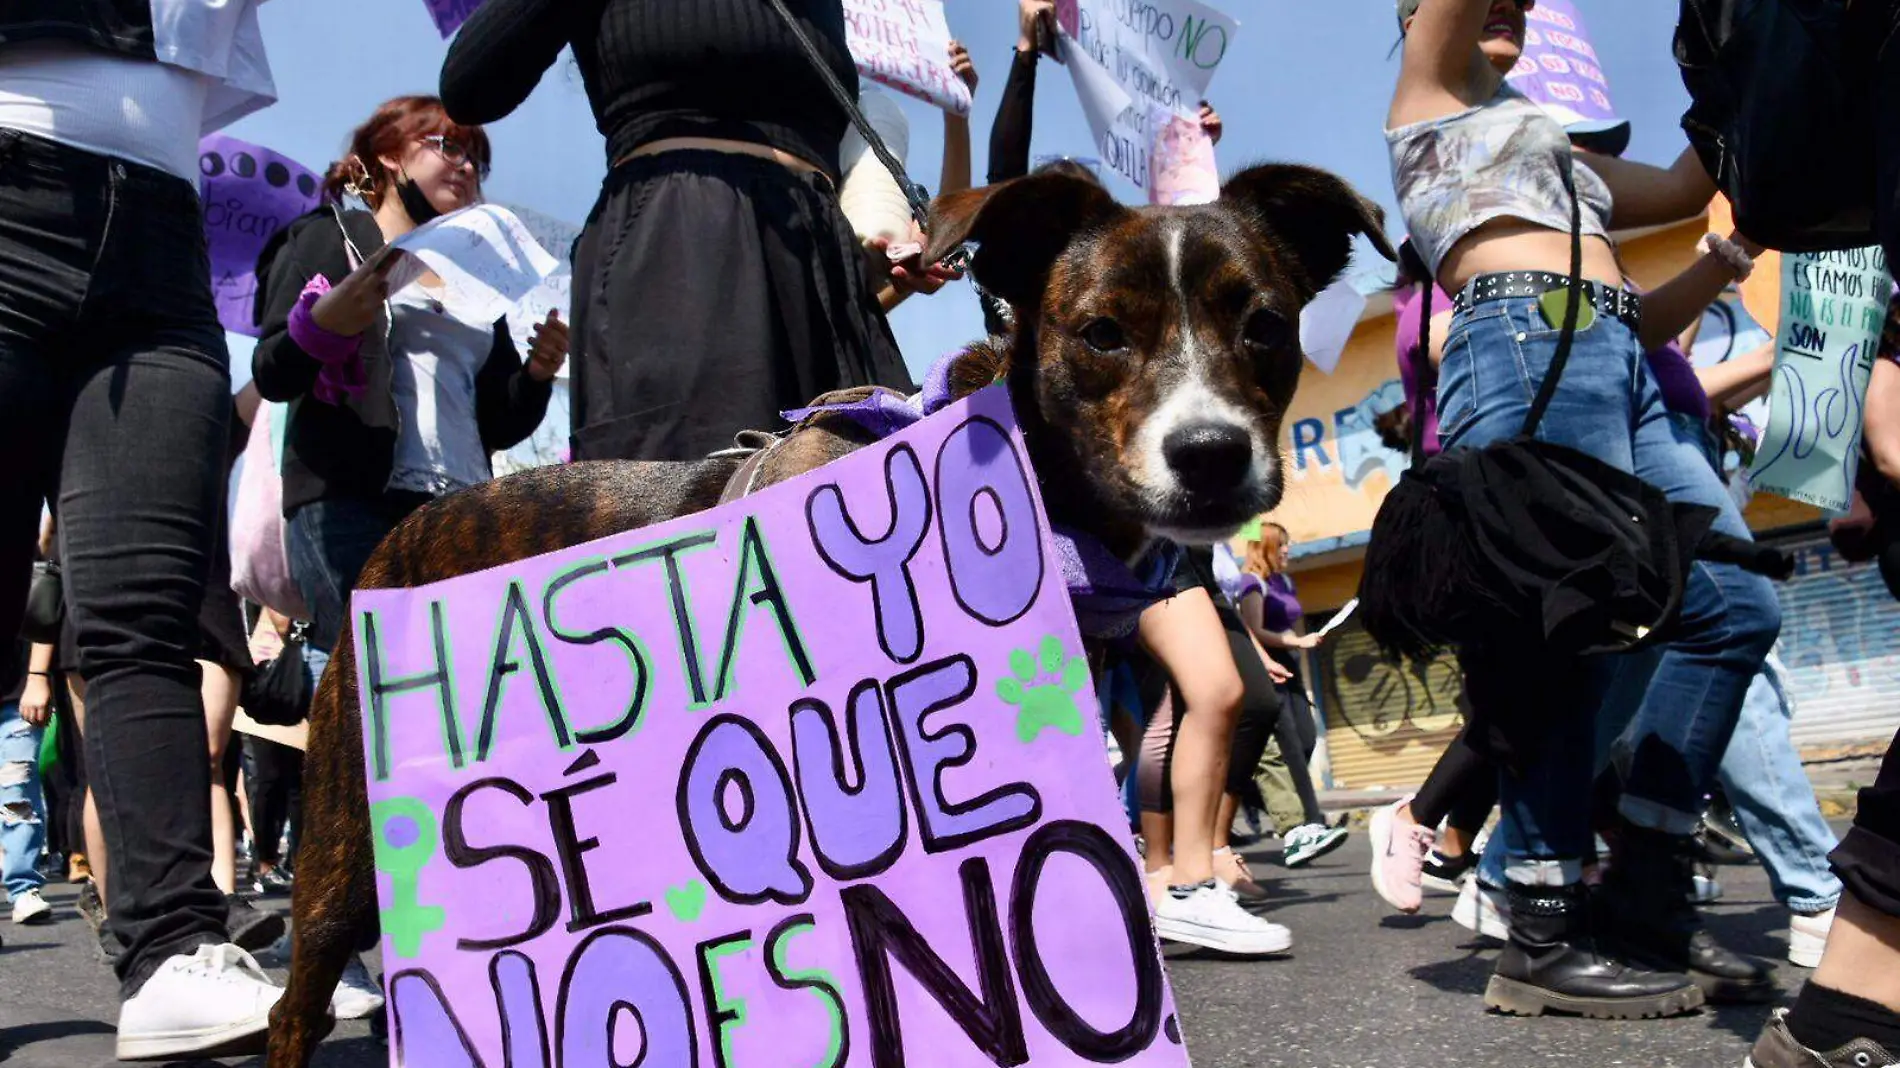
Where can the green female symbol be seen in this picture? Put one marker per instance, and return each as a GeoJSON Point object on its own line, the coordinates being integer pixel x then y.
{"type": "Point", "coordinates": [404, 832]}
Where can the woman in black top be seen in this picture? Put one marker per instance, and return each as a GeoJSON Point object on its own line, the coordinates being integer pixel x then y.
{"type": "Point", "coordinates": [717, 282]}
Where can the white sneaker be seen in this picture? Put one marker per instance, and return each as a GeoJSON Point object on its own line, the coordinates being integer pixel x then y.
{"type": "Point", "coordinates": [357, 995]}
{"type": "Point", "coordinates": [1705, 891]}
{"type": "Point", "coordinates": [1210, 916]}
{"type": "Point", "coordinates": [30, 907]}
{"type": "Point", "coordinates": [1807, 937]}
{"type": "Point", "coordinates": [215, 1002]}
{"type": "Point", "coordinates": [1482, 910]}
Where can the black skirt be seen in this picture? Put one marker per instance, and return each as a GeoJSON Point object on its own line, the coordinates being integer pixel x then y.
{"type": "Point", "coordinates": [713, 291]}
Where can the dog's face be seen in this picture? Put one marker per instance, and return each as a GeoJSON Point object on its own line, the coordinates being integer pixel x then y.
{"type": "Point", "coordinates": [1161, 345]}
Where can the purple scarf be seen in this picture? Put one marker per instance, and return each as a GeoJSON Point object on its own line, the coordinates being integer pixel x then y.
{"type": "Point", "coordinates": [1108, 595]}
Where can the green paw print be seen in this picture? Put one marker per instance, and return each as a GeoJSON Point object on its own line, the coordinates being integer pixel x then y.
{"type": "Point", "coordinates": [1051, 701]}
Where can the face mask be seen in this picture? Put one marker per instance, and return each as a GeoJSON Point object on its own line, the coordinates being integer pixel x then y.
{"type": "Point", "coordinates": [418, 206]}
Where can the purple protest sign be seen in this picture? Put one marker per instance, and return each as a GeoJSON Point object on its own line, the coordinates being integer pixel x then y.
{"type": "Point", "coordinates": [249, 193]}
{"type": "Point", "coordinates": [450, 14]}
{"type": "Point", "coordinates": [814, 778]}
{"type": "Point", "coordinates": [1560, 70]}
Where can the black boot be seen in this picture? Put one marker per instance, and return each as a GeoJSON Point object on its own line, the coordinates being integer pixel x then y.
{"type": "Point", "coordinates": [1551, 963]}
{"type": "Point", "coordinates": [1646, 895]}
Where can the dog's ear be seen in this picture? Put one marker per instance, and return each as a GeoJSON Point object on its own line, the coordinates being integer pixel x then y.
{"type": "Point", "coordinates": [1021, 225]}
{"type": "Point", "coordinates": [1316, 213]}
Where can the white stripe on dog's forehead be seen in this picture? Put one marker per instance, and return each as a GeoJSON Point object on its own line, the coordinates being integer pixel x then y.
{"type": "Point", "coordinates": [1174, 237]}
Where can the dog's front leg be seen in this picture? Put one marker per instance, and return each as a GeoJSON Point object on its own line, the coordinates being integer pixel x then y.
{"type": "Point", "coordinates": [333, 906]}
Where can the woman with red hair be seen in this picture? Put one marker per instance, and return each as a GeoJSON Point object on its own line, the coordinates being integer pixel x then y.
{"type": "Point", "coordinates": [400, 401]}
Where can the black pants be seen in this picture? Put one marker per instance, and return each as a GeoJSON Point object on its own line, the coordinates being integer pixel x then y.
{"type": "Point", "coordinates": [273, 777]}
{"type": "Point", "coordinates": [713, 291]}
{"type": "Point", "coordinates": [1868, 859]}
{"type": "Point", "coordinates": [1262, 707]}
{"type": "Point", "coordinates": [1462, 788]}
{"type": "Point", "coordinates": [1299, 738]}
{"type": "Point", "coordinates": [115, 393]}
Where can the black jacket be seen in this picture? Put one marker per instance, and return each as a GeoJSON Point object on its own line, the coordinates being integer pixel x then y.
{"type": "Point", "coordinates": [347, 450]}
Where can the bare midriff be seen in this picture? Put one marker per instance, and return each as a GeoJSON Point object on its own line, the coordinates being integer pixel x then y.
{"type": "Point", "coordinates": [720, 144]}
{"type": "Point", "coordinates": [1503, 245]}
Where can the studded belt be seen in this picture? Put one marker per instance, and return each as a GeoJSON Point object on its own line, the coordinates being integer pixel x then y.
{"type": "Point", "coordinates": [1619, 304]}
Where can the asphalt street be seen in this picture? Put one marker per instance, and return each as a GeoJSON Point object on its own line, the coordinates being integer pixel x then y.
{"type": "Point", "coordinates": [1363, 988]}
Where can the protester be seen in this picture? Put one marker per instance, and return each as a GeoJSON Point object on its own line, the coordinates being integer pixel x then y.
{"type": "Point", "coordinates": [723, 139]}
{"type": "Point", "coordinates": [273, 772]}
{"type": "Point", "coordinates": [1273, 616]}
{"type": "Point", "coordinates": [1014, 126]}
{"type": "Point", "coordinates": [1478, 216]}
{"type": "Point", "coordinates": [398, 401]}
{"type": "Point", "coordinates": [1217, 678]}
{"type": "Point", "coordinates": [24, 714]}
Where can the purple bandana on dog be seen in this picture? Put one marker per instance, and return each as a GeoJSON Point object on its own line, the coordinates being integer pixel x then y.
{"type": "Point", "coordinates": [1109, 596]}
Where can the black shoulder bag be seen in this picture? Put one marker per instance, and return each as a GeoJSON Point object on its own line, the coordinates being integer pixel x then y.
{"type": "Point", "coordinates": [1527, 542]}
{"type": "Point", "coordinates": [278, 693]}
{"type": "Point", "coordinates": [45, 605]}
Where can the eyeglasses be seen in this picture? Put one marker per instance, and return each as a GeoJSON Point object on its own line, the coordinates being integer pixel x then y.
{"type": "Point", "coordinates": [456, 154]}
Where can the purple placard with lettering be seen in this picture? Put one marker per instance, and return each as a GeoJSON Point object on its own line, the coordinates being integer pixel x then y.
{"type": "Point", "coordinates": [1560, 68]}
{"type": "Point", "coordinates": [249, 193]}
{"type": "Point", "coordinates": [450, 14]}
{"type": "Point", "coordinates": [814, 779]}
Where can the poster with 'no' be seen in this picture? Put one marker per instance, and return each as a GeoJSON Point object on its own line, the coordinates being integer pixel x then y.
{"type": "Point", "coordinates": [812, 779]}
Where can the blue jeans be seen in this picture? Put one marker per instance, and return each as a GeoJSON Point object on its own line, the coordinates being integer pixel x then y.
{"type": "Point", "coordinates": [327, 542]}
{"type": "Point", "coordinates": [1762, 775]}
{"type": "Point", "coordinates": [22, 811]}
{"type": "Point", "coordinates": [1608, 406]}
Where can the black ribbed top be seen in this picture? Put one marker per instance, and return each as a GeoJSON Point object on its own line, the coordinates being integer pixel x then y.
{"type": "Point", "coordinates": [656, 69]}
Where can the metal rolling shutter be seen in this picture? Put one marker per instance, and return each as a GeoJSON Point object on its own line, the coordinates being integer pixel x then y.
{"type": "Point", "coordinates": [1840, 641]}
{"type": "Point", "coordinates": [1386, 723]}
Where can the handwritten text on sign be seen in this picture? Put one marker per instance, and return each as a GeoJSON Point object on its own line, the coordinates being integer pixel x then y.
{"type": "Point", "coordinates": [805, 780]}
{"type": "Point", "coordinates": [1560, 69]}
{"type": "Point", "coordinates": [1833, 306]}
{"type": "Point", "coordinates": [249, 193]}
{"type": "Point", "coordinates": [1138, 65]}
{"type": "Point", "coordinates": [906, 45]}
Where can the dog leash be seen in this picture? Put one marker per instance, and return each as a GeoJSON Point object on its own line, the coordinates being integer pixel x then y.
{"type": "Point", "coordinates": [913, 193]}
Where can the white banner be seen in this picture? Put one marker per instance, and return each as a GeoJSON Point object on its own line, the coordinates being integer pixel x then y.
{"type": "Point", "coordinates": [1139, 65]}
{"type": "Point", "coordinates": [906, 45]}
{"type": "Point", "coordinates": [554, 293]}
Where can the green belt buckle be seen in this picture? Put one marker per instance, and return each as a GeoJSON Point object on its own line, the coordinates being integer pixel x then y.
{"type": "Point", "coordinates": [1552, 305]}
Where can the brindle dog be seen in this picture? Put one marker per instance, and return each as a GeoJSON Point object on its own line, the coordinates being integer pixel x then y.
{"type": "Point", "coordinates": [1154, 355]}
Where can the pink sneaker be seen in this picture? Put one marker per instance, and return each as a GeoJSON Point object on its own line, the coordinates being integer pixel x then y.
{"type": "Point", "coordinates": [1399, 849]}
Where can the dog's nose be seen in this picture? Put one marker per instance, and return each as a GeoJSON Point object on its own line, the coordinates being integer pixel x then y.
{"type": "Point", "coordinates": [1209, 458]}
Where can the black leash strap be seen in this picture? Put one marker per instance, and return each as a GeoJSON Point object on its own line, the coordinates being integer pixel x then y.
{"type": "Point", "coordinates": [919, 204]}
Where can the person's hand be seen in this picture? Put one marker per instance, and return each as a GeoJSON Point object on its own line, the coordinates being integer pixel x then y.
{"type": "Point", "coordinates": [1278, 672]}
{"type": "Point", "coordinates": [1750, 246]}
{"type": "Point", "coordinates": [547, 349]}
{"type": "Point", "coordinates": [911, 275]}
{"type": "Point", "coordinates": [36, 701]}
{"type": "Point", "coordinates": [962, 66]}
{"type": "Point", "coordinates": [1304, 641]}
{"type": "Point", "coordinates": [350, 307]}
{"type": "Point", "coordinates": [1028, 14]}
{"type": "Point", "coordinates": [1210, 122]}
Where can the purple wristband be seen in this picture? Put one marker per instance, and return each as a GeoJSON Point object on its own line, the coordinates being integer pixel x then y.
{"type": "Point", "coordinates": [341, 373]}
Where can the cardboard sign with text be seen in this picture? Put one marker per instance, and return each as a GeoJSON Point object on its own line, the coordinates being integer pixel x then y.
{"type": "Point", "coordinates": [814, 778]}
{"type": "Point", "coordinates": [1833, 307]}
{"type": "Point", "coordinates": [248, 193]}
{"type": "Point", "coordinates": [1139, 67]}
{"type": "Point", "coordinates": [906, 45]}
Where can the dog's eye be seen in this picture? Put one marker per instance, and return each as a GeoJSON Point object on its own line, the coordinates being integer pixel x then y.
{"type": "Point", "coordinates": [1266, 330]}
{"type": "Point", "coordinates": [1104, 335]}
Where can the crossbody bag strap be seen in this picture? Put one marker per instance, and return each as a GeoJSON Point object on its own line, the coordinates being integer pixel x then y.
{"type": "Point", "coordinates": [1573, 304]}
